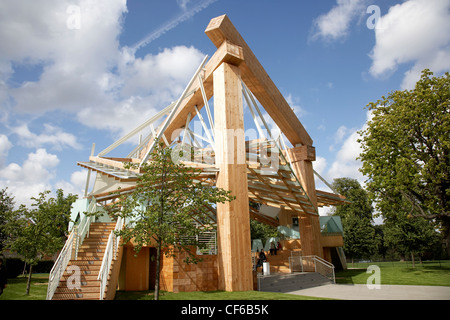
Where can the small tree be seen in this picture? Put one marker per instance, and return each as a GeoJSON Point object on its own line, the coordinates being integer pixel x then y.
{"type": "Point", "coordinates": [169, 208]}
{"type": "Point", "coordinates": [39, 231]}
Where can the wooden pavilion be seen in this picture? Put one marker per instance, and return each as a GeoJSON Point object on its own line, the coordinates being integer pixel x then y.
{"type": "Point", "coordinates": [280, 179]}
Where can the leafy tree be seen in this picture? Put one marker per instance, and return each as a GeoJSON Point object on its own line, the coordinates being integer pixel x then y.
{"type": "Point", "coordinates": [410, 235]}
{"type": "Point", "coordinates": [6, 206]}
{"type": "Point", "coordinates": [406, 151]}
{"type": "Point", "coordinates": [168, 208]}
{"type": "Point", "coordinates": [381, 246]}
{"type": "Point", "coordinates": [356, 217]}
{"type": "Point", "coordinates": [39, 231]}
{"type": "Point", "coordinates": [259, 230]}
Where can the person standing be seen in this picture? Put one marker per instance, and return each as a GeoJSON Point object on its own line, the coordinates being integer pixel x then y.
{"type": "Point", "coordinates": [273, 249]}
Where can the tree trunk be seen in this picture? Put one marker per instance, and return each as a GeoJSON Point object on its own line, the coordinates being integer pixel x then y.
{"type": "Point", "coordinates": [29, 279]}
{"type": "Point", "coordinates": [447, 244]}
{"type": "Point", "coordinates": [158, 263]}
{"type": "Point", "coordinates": [412, 259]}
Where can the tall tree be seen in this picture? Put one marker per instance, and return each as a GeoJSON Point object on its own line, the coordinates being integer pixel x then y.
{"type": "Point", "coordinates": [6, 207]}
{"type": "Point", "coordinates": [406, 151]}
{"type": "Point", "coordinates": [409, 234]}
{"type": "Point", "coordinates": [356, 216]}
{"type": "Point", "coordinates": [169, 208]}
{"type": "Point", "coordinates": [39, 231]}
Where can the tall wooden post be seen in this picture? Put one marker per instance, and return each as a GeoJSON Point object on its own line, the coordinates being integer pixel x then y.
{"type": "Point", "coordinates": [233, 222]}
{"type": "Point", "coordinates": [309, 225]}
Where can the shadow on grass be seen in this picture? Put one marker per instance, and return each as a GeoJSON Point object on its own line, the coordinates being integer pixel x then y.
{"type": "Point", "coordinates": [348, 276]}
{"type": "Point", "coordinates": [16, 288]}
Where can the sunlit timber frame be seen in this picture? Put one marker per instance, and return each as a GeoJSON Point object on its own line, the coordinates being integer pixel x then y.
{"type": "Point", "coordinates": [263, 170]}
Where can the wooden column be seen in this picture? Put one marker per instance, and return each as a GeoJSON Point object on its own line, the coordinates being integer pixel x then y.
{"type": "Point", "coordinates": [309, 225]}
{"type": "Point", "coordinates": [233, 222]}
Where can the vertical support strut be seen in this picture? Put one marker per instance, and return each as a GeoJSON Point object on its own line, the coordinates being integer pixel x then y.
{"type": "Point", "coordinates": [233, 220]}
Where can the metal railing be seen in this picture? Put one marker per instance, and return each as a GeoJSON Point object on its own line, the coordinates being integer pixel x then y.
{"type": "Point", "coordinates": [112, 248]}
{"type": "Point", "coordinates": [60, 264]}
{"type": "Point", "coordinates": [299, 263]}
{"type": "Point", "coordinates": [84, 227]}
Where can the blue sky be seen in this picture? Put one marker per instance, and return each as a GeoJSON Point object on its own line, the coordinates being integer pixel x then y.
{"type": "Point", "coordinates": [74, 72]}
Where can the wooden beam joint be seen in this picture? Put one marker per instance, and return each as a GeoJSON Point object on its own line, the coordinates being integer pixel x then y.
{"type": "Point", "coordinates": [302, 153]}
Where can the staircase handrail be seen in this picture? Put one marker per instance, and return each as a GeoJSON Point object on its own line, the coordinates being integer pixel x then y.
{"type": "Point", "coordinates": [85, 224]}
{"type": "Point", "coordinates": [317, 261]}
{"type": "Point", "coordinates": [111, 250]}
{"type": "Point", "coordinates": [60, 264]}
{"type": "Point", "coordinates": [329, 266]}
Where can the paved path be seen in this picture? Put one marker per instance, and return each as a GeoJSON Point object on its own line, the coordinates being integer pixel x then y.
{"type": "Point", "coordinates": [386, 292]}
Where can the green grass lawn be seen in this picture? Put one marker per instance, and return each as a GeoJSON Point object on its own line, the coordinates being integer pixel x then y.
{"type": "Point", "coordinates": [16, 288]}
{"type": "Point", "coordinates": [399, 273]}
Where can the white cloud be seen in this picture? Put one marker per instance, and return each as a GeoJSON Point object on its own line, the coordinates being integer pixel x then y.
{"type": "Point", "coordinates": [85, 71]}
{"type": "Point", "coordinates": [51, 135]}
{"type": "Point", "coordinates": [415, 31]}
{"type": "Point", "coordinates": [32, 177]}
{"type": "Point", "coordinates": [5, 145]}
{"type": "Point", "coordinates": [345, 164]}
{"type": "Point", "coordinates": [183, 4]}
{"type": "Point", "coordinates": [295, 105]}
{"type": "Point", "coordinates": [85, 74]}
{"type": "Point", "coordinates": [168, 71]}
{"type": "Point", "coordinates": [73, 60]}
{"type": "Point", "coordinates": [341, 132]}
{"type": "Point", "coordinates": [77, 183]}
{"type": "Point", "coordinates": [147, 85]}
{"type": "Point", "coordinates": [320, 164]}
{"type": "Point", "coordinates": [335, 23]}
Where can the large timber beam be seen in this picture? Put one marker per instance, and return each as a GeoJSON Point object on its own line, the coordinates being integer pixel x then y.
{"type": "Point", "coordinates": [309, 225]}
{"type": "Point", "coordinates": [228, 53]}
{"type": "Point", "coordinates": [233, 220]}
{"type": "Point", "coordinates": [258, 81]}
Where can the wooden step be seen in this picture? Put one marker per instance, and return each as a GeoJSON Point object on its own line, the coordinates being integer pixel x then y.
{"type": "Point", "coordinates": [90, 287]}
{"type": "Point", "coordinates": [97, 234]}
{"type": "Point", "coordinates": [94, 244]}
{"type": "Point", "coordinates": [77, 296]}
{"type": "Point", "coordinates": [84, 277]}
